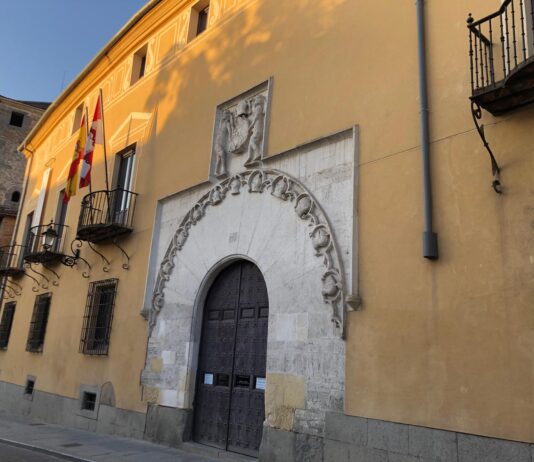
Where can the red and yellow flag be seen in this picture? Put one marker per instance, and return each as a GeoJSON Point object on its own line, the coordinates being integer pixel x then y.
{"type": "Point", "coordinates": [72, 179]}
{"type": "Point", "coordinates": [95, 136]}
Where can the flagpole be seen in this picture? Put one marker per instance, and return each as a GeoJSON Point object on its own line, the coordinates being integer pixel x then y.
{"type": "Point", "coordinates": [104, 138]}
{"type": "Point", "coordinates": [87, 125]}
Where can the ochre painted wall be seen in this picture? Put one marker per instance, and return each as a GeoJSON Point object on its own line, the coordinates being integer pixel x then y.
{"type": "Point", "coordinates": [443, 344]}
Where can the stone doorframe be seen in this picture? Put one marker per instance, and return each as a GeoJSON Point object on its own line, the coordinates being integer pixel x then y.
{"type": "Point", "coordinates": [269, 217]}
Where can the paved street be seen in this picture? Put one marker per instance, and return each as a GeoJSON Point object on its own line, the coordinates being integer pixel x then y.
{"type": "Point", "coordinates": [51, 443]}
{"type": "Point", "coordinates": [10, 453]}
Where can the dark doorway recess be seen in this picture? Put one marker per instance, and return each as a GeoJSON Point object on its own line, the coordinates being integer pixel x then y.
{"type": "Point", "coordinates": [230, 396]}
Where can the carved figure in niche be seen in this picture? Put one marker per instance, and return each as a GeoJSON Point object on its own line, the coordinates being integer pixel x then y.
{"type": "Point", "coordinates": [303, 206]}
{"type": "Point", "coordinates": [223, 135]}
{"type": "Point", "coordinates": [256, 129]}
{"type": "Point", "coordinates": [239, 131]}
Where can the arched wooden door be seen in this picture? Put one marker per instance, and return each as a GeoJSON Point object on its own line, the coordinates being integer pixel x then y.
{"type": "Point", "coordinates": [230, 396]}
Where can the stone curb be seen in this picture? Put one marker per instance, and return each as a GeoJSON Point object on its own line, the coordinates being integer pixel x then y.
{"type": "Point", "coordinates": [49, 452]}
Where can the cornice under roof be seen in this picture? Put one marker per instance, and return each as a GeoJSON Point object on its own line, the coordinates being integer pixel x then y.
{"type": "Point", "coordinates": [39, 105]}
{"type": "Point", "coordinates": [92, 64]}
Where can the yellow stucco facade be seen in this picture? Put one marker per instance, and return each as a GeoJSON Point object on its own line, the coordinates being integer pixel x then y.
{"type": "Point", "coordinates": [441, 343]}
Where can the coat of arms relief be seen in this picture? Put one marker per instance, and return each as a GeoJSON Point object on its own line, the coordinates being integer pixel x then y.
{"type": "Point", "coordinates": [240, 132]}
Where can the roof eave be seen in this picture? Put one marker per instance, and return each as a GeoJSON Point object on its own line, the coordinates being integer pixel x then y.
{"type": "Point", "coordinates": [86, 70]}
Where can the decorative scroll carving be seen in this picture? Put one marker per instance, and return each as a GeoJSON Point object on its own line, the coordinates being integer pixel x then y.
{"type": "Point", "coordinates": [240, 129]}
{"type": "Point", "coordinates": [281, 187]}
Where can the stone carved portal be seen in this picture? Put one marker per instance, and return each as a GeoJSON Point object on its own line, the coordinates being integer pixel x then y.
{"type": "Point", "coordinates": [282, 188]}
{"type": "Point", "coordinates": [270, 218]}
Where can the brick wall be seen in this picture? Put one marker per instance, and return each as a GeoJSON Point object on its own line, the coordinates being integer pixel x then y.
{"type": "Point", "coordinates": [12, 163]}
{"type": "Point", "coordinates": [6, 229]}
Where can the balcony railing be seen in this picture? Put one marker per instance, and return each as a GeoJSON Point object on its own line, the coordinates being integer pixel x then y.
{"type": "Point", "coordinates": [106, 214]}
{"type": "Point", "coordinates": [501, 53]}
{"type": "Point", "coordinates": [41, 248]}
{"type": "Point", "coordinates": [11, 260]}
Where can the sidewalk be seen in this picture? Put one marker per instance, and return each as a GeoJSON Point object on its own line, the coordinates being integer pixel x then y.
{"type": "Point", "coordinates": [78, 445]}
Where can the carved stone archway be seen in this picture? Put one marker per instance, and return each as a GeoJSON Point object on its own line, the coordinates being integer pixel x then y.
{"type": "Point", "coordinates": [273, 219]}
{"type": "Point", "coordinates": [280, 187]}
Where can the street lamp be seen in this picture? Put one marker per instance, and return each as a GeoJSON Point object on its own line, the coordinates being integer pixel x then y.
{"type": "Point", "coordinates": [49, 238]}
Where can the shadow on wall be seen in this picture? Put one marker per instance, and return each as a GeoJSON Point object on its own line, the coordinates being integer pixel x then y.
{"type": "Point", "coordinates": [222, 63]}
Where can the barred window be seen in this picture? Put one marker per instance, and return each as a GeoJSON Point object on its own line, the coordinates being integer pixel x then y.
{"type": "Point", "coordinates": [6, 323]}
{"type": "Point", "coordinates": [37, 332]}
{"type": "Point", "coordinates": [96, 328]}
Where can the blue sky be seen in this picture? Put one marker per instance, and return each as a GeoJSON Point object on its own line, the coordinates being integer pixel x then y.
{"type": "Point", "coordinates": [46, 43]}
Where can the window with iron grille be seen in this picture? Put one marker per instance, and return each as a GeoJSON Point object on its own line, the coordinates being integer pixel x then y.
{"type": "Point", "coordinates": [88, 401]}
{"type": "Point", "coordinates": [37, 332]}
{"type": "Point", "coordinates": [96, 328]}
{"type": "Point", "coordinates": [6, 323]}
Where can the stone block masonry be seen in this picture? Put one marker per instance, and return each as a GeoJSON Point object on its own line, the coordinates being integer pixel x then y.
{"type": "Point", "coordinates": [346, 438]}
{"type": "Point", "coordinates": [12, 162]}
{"type": "Point", "coordinates": [357, 439]}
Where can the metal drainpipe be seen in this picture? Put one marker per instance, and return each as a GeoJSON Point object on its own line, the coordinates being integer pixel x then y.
{"type": "Point", "coordinates": [430, 238]}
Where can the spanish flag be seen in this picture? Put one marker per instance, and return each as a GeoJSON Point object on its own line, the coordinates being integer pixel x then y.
{"type": "Point", "coordinates": [72, 179]}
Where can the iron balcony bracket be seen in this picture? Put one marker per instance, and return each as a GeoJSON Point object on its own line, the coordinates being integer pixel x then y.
{"type": "Point", "coordinates": [476, 112]}
{"type": "Point", "coordinates": [14, 289]}
{"type": "Point", "coordinates": [42, 284]}
{"type": "Point", "coordinates": [106, 263]}
{"type": "Point", "coordinates": [15, 284]}
{"type": "Point", "coordinates": [9, 291]}
{"type": "Point", "coordinates": [55, 282]}
{"type": "Point", "coordinates": [69, 260]}
{"type": "Point", "coordinates": [125, 265]}
{"type": "Point", "coordinates": [35, 288]}
{"type": "Point", "coordinates": [6, 293]}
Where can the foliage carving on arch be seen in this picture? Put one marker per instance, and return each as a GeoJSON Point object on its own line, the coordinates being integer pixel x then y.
{"type": "Point", "coordinates": [281, 187]}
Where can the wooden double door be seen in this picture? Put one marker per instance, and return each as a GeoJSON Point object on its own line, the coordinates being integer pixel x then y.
{"type": "Point", "coordinates": [230, 395]}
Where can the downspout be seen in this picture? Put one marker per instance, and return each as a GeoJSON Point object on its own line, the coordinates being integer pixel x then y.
{"type": "Point", "coordinates": [430, 238]}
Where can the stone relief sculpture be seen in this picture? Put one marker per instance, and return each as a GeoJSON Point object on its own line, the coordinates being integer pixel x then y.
{"type": "Point", "coordinates": [284, 188]}
{"type": "Point", "coordinates": [256, 130]}
{"type": "Point", "coordinates": [221, 141]}
{"type": "Point", "coordinates": [240, 129]}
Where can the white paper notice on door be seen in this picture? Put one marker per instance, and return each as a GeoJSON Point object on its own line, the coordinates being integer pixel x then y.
{"type": "Point", "coordinates": [260, 383]}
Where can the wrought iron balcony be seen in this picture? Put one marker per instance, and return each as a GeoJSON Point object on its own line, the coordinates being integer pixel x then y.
{"type": "Point", "coordinates": [11, 261]}
{"type": "Point", "coordinates": [501, 52]}
{"type": "Point", "coordinates": [45, 243]}
{"type": "Point", "coordinates": [106, 214]}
